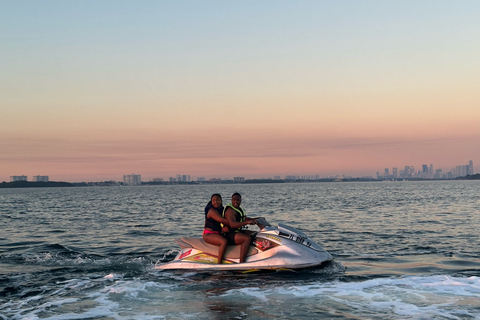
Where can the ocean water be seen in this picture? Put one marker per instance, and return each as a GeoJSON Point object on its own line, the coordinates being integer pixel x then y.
{"type": "Point", "coordinates": [403, 250]}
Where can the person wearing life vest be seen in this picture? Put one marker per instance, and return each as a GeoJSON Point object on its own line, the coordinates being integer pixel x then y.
{"type": "Point", "coordinates": [213, 225]}
{"type": "Point", "coordinates": [237, 218]}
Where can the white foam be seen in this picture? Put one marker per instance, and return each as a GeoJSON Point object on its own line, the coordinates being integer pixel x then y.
{"type": "Point", "coordinates": [117, 299]}
{"type": "Point", "coordinates": [416, 297]}
{"type": "Point", "coordinates": [114, 297]}
{"type": "Point", "coordinates": [48, 258]}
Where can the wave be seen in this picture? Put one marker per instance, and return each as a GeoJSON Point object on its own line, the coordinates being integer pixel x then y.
{"type": "Point", "coordinates": [414, 297]}
{"type": "Point", "coordinates": [201, 296]}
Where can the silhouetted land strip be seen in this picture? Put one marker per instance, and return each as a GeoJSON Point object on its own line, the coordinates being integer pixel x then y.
{"type": "Point", "coordinates": [50, 184]}
{"type": "Point", "coordinates": [470, 177]}
{"type": "Point", "coordinates": [263, 181]}
{"type": "Point", "coordinates": [31, 184]}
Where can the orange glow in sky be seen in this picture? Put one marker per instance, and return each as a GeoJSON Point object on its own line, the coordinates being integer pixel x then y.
{"type": "Point", "coordinates": [90, 91]}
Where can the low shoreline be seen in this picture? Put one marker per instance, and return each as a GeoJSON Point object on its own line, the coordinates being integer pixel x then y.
{"type": "Point", "coordinates": [32, 184]}
{"type": "Point", "coordinates": [56, 184]}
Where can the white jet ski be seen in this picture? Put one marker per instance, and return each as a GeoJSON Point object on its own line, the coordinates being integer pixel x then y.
{"type": "Point", "coordinates": [272, 248]}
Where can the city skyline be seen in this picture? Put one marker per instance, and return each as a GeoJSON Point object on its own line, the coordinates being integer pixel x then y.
{"type": "Point", "coordinates": [427, 172]}
{"type": "Point", "coordinates": [92, 91]}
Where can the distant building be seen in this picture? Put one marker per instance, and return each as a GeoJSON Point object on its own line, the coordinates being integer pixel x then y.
{"type": "Point", "coordinates": [132, 180]}
{"type": "Point", "coordinates": [428, 172]}
{"type": "Point", "coordinates": [40, 179]}
{"type": "Point", "coordinates": [182, 178]}
{"type": "Point", "coordinates": [18, 178]}
{"type": "Point", "coordinates": [461, 171]}
{"type": "Point", "coordinates": [238, 179]}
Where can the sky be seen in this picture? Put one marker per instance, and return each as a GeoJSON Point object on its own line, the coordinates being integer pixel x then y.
{"type": "Point", "coordinates": [94, 90]}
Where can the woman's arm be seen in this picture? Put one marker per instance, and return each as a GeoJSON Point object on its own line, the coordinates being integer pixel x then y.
{"type": "Point", "coordinates": [212, 213]}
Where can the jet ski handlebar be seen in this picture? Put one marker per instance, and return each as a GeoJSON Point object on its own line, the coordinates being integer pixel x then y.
{"type": "Point", "coordinates": [261, 222]}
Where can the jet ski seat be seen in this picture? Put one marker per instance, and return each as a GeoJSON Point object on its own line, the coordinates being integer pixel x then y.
{"type": "Point", "coordinates": [232, 252]}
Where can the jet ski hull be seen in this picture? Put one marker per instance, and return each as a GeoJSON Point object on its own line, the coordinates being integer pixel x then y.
{"type": "Point", "coordinates": [272, 249]}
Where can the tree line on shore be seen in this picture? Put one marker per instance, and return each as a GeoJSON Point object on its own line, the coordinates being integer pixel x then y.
{"type": "Point", "coordinates": [33, 184]}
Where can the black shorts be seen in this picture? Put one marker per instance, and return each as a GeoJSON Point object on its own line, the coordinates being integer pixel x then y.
{"type": "Point", "coordinates": [230, 236]}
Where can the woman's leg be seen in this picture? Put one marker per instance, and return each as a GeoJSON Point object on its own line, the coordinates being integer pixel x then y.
{"type": "Point", "coordinates": [217, 240]}
{"type": "Point", "coordinates": [244, 241]}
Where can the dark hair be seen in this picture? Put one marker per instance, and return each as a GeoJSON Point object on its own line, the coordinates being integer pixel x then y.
{"type": "Point", "coordinates": [237, 194]}
{"type": "Point", "coordinates": [216, 195]}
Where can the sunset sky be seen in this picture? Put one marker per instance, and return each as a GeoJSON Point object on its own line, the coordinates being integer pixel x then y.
{"type": "Point", "coordinates": [93, 90]}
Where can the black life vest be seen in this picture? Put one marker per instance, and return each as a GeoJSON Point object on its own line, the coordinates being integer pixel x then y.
{"type": "Point", "coordinates": [210, 223]}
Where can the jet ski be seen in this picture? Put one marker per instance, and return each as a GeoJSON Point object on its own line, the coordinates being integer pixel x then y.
{"type": "Point", "coordinates": [272, 248]}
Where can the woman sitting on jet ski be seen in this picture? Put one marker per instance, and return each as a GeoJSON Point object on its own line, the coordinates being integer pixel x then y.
{"type": "Point", "coordinates": [237, 218]}
{"type": "Point", "coordinates": [213, 220]}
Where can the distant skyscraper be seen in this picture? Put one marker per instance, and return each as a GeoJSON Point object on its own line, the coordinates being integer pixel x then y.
{"type": "Point", "coordinates": [409, 170]}
{"type": "Point", "coordinates": [470, 167]}
{"type": "Point", "coordinates": [425, 168]}
{"type": "Point", "coordinates": [461, 171]}
{"type": "Point", "coordinates": [40, 178]}
{"type": "Point", "coordinates": [132, 180]}
{"type": "Point", "coordinates": [18, 178]}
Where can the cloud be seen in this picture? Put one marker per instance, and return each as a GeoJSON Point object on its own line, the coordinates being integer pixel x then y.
{"type": "Point", "coordinates": [57, 150]}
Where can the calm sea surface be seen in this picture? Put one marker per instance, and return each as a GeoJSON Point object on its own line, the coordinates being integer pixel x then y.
{"type": "Point", "coordinates": [403, 250]}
